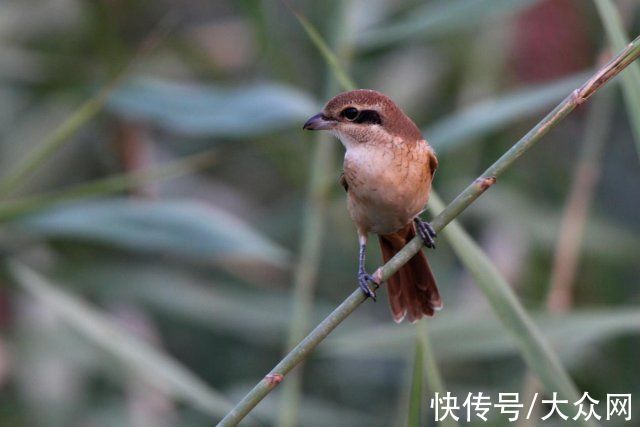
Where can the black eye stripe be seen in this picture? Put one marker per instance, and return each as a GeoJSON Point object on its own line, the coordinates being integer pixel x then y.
{"type": "Point", "coordinates": [369, 116]}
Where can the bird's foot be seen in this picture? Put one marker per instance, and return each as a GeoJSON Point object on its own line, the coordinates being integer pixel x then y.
{"type": "Point", "coordinates": [363, 283]}
{"type": "Point", "coordinates": [426, 232]}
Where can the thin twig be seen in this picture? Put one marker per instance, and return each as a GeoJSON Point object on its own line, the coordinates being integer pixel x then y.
{"type": "Point", "coordinates": [460, 203]}
{"type": "Point", "coordinates": [325, 50]}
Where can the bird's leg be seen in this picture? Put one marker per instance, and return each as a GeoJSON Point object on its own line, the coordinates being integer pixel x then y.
{"type": "Point", "coordinates": [426, 232]}
{"type": "Point", "coordinates": [363, 277]}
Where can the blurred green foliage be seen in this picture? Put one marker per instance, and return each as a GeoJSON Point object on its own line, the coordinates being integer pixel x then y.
{"type": "Point", "coordinates": [163, 303]}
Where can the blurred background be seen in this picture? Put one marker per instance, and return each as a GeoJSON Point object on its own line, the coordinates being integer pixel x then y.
{"type": "Point", "coordinates": [168, 230]}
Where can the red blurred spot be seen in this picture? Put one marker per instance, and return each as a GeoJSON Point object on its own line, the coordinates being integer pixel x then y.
{"type": "Point", "coordinates": [550, 41]}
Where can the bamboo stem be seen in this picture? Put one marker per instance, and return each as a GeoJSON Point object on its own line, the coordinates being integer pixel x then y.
{"type": "Point", "coordinates": [460, 203]}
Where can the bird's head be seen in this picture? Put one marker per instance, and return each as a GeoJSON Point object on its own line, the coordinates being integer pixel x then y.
{"type": "Point", "coordinates": [363, 116]}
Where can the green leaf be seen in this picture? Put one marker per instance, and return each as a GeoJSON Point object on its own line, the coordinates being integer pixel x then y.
{"type": "Point", "coordinates": [181, 228]}
{"type": "Point", "coordinates": [603, 238]}
{"type": "Point", "coordinates": [631, 76]}
{"type": "Point", "coordinates": [136, 355]}
{"type": "Point", "coordinates": [482, 337]}
{"type": "Point", "coordinates": [208, 110]}
{"type": "Point", "coordinates": [110, 184]}
{"type": "Point", "coordinates": [440, 18]}
{"type": "Point", "coordinates": [491, 115]}
{"type": "Point", "coordinates": [181, 294]}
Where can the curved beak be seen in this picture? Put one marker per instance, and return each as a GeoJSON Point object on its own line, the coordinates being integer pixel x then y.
{"type": "Point", "coordinates": [318, 122]}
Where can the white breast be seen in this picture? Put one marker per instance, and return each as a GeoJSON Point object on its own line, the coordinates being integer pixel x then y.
{"type": "Point", "coordinates": [386, 187]}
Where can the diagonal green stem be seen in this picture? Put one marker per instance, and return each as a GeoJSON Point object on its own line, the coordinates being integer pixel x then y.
{"type": "Point", "coordinates": [329, 56]}
{"type": "Point", "coordinates": [460, 203]}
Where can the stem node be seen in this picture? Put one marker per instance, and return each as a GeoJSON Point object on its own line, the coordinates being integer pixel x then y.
{"type": "Point", "coordinates": [485, 182]}
{"type": "Point", "coordinates": [273, 379]}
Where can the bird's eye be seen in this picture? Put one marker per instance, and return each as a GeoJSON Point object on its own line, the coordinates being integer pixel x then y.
{"type": "Point", "coordinates": [350, 113]}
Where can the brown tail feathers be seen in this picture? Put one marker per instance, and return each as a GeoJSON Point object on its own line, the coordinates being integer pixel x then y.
{"type": "Point", "coordinates": [412, 289]}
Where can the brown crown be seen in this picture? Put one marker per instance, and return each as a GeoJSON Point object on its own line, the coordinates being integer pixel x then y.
{"type": "Point", "coordinates": [394, 120]}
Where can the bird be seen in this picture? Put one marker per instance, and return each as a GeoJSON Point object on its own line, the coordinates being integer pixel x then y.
{"type": "Point", "coordinates": [387, 173]}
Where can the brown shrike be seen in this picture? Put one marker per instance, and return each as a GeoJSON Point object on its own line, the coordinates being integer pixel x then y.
{"type": "Point", "coordinates": [388, 169]}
